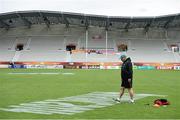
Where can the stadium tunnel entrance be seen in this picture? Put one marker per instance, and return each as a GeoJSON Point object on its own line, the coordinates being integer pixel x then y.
{"type": "Point", "coordinates": [19, 47]}
{"type": "Point", "coordinates": [70, 47]}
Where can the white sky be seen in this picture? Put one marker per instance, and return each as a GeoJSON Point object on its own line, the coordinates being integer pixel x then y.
{"type": "Point", "coordinates": [98, 7]}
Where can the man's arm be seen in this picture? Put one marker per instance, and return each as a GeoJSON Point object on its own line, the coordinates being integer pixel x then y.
{"type": "Point", "coordinates": [130, 71]}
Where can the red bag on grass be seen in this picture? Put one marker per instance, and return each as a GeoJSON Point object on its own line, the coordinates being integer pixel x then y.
{"type": "Point", "coordinates": [162, 102]}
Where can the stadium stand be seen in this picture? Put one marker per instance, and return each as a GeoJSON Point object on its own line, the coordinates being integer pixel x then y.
{"type": "Point", "coordinates": [49, 42]}
{"type": "Point", "coordinates": [53, 49]}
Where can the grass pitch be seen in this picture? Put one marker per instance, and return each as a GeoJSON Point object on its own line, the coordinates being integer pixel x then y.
{"type": "Point", "coordinates": [27, 85]}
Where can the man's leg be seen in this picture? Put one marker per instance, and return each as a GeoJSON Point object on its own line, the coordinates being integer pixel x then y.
{"type": "Point", "coordinates": [131, 94]}
{"type": "Point", "coordinates": [121, 92]}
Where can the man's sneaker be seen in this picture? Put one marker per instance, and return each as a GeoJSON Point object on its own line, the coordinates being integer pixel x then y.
{"type": "Point", "coordinates": [131, 101]}
{"type": "Point", "coordinates": [117, 100]}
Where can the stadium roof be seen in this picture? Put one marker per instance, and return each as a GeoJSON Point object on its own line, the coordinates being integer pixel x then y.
{"type": "Point", "coordinates": [29, 18]}
{"type": "Point", "coordinates": [96, 7]}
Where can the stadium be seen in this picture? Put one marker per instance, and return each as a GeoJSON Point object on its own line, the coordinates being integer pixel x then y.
{"type": "Point", "coordinates": [65, 65]}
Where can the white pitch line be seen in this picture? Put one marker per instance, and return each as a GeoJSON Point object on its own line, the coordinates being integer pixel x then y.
{"type": "Point", "coordinates": [33, 73]}
{"type": "Point", "coordinates": [68, 73]}
{"type": "Point", "coordinates": [36, 73]}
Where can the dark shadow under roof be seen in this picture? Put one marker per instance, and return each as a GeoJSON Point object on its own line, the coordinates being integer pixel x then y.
{"type": "Point", "coordinates": [29, 18]}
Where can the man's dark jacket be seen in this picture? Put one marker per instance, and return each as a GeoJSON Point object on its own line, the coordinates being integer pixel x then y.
{"type": "Point", "coordinates": [126, 70]}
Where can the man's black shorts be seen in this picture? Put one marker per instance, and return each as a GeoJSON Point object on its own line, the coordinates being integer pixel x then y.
{"type": "Point", "coordinates": [126, 84]}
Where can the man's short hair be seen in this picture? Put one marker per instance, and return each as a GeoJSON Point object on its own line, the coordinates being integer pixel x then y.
{"type": "Point", "coordinates": [123, 56]}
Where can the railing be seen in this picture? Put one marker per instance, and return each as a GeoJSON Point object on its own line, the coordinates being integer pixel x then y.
{"type": "Point", "coordinates": [16, 56]}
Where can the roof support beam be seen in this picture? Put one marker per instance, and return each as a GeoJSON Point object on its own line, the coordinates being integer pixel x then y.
{"type": "Point", "coordinates": [65, 21]}
{"type": "Point", "coordinates": [86, 22]}
{"type": "Point", "coordinates": [47, 22]}
{"type": "Point", "coordinates": [107, 24]}
{"type": "Point", "coordinates": [146, 28]}
{"type": "Point", "coordinates": [59, 17]}
{"type": "Point", "coordinates": [26, 22]}
{"type": "Point", "coordinates": [5, 25]}
{"type": "Point", "coordinates": [128, 24]}
{"type": "Point", "coordinates": [148, 25]}
{"type": "Point", "coordinates": [166, 25]}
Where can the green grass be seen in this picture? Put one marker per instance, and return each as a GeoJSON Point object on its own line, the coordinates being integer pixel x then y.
{"type": "Point", "coordinates": [17, 89]}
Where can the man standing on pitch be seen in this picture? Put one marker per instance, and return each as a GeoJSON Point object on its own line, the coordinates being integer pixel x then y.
{"type": "Point", "coordinates": [126, 78]}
